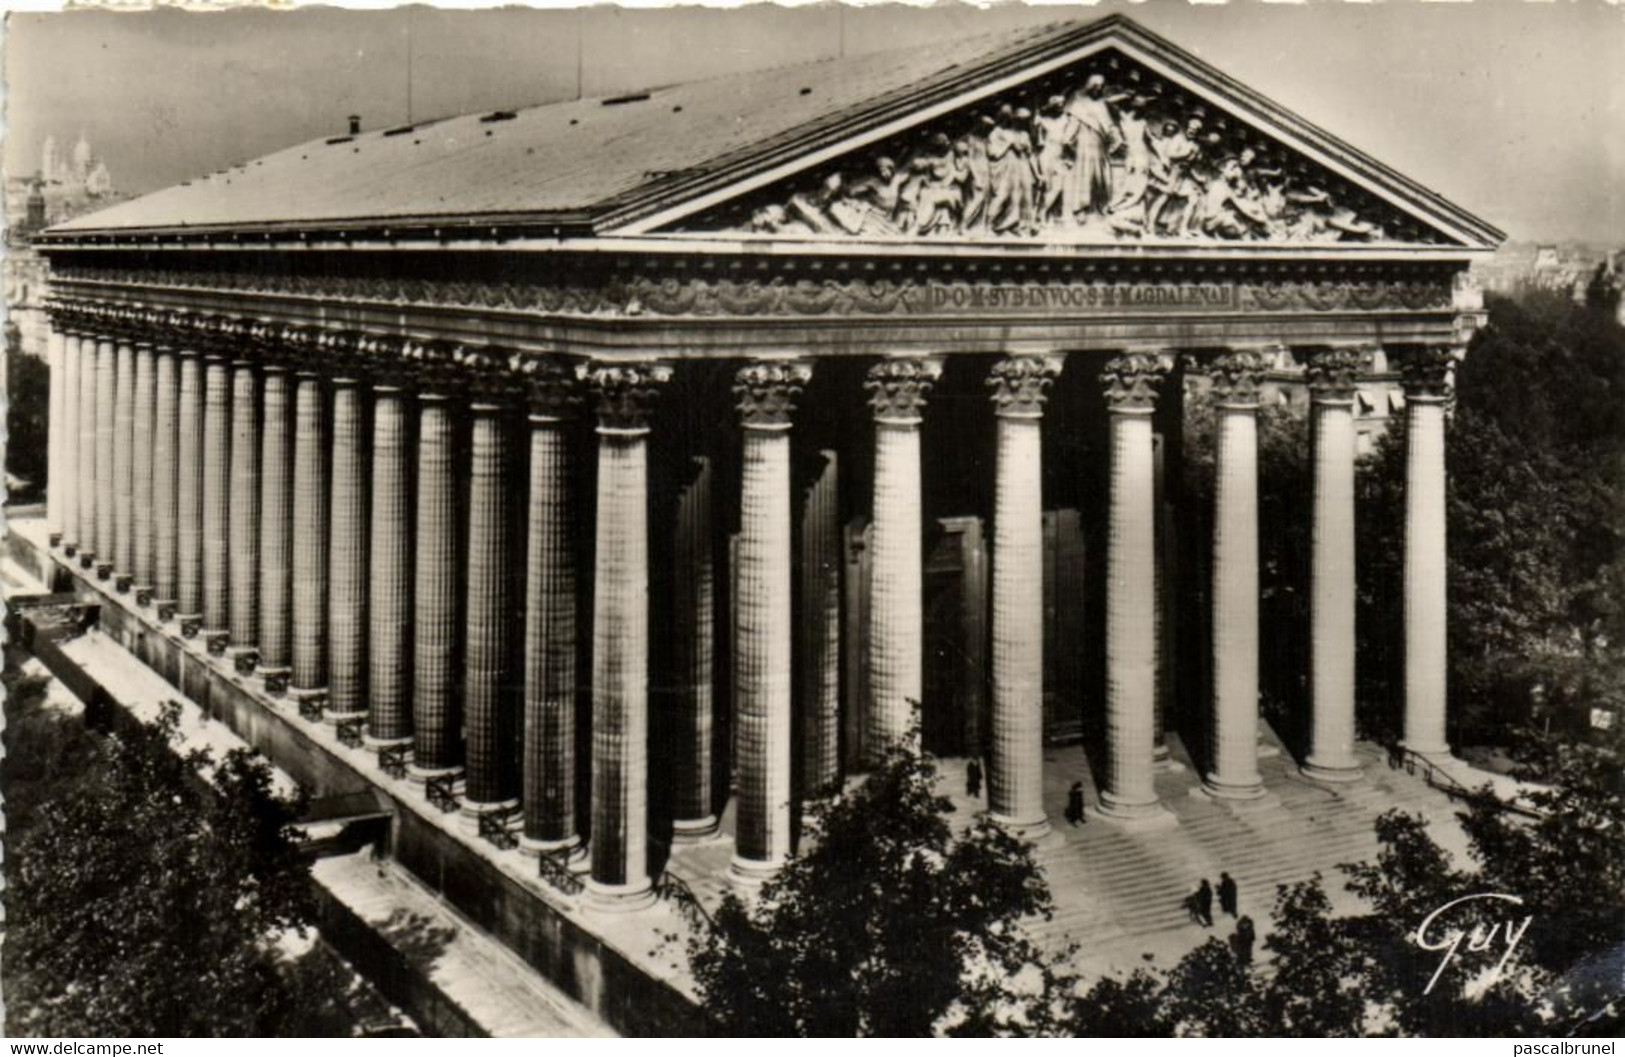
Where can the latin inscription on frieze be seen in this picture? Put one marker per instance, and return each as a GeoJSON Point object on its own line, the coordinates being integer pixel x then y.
{"type": "Point", "coordinates": [1034, 297]}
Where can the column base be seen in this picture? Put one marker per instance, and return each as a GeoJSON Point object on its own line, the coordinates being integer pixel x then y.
{"type": "Point", "coordinates": [421, 775]}
{"type": "Point", "coordinates": [470, 813]}
{"type": "Point", "coordinates": [694, 830]}
{"type": "Point", "coordinates": [375, 743]}
{"type": "Point", "coordinates": [1118, 809]}
{"type": "Point", "coordinates": [1022, 829]}
{"type": "Point", "coordinates": [1338, 773]}
{"type": "Point", "coordinates": [1436, 752]}
{"type": "Point", "coordinates": [618, 898]}
{"type": "Point", "coordinates": [570, 849]}
{"type": "Point", "coordinates": [333, 718]}
{"type": "Point", "coordinates": [753, 873]}
{"type": "Point", "coordinates": [1249, 788]}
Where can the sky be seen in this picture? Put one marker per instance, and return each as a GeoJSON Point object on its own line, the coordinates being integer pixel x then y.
{"type": "Point", "coordinates": [1513, 109]}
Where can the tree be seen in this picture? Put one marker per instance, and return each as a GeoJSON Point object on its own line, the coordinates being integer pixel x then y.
{"type": "Point", "coordinates": [151, 900]}
{"type": "Point", "coordinates": [889, 924]}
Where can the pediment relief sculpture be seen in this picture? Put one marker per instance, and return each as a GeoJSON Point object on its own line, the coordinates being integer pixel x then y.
{"type": "Point", "coordinates": [1106, 151]}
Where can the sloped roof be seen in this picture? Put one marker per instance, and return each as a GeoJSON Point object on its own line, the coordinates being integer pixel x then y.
{"type": "Point", "coordinates": [569, 159]}
{"type": "Point", "coordinates": [618, 165]}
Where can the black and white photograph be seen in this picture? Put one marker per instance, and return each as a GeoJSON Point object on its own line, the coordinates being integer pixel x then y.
{"type": "Point", "coordinates": [814, 521]}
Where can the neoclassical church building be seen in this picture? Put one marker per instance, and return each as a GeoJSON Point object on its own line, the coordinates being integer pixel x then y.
{"type": "Point", "coordinates": [599, 480]}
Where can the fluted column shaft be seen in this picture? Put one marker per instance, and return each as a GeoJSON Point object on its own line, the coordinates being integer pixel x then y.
{"type": "Point", "coordinates": [1131, 580]}
{"type": "Point", "coordinates": [436, 724]}
{"type": "Point", "coordinates": [244, 515]}
{"type": "Point", "coordinates": [66, 480]}
{"type": "Point", "coordinates": [85, 490]}
{"type": "Point", "coordinates": [165, 478]}
{"type": "Point", "coordinates": [276, 524]}
{"type": "Point", "coordinates": [56, 360]}
{"type": "Point", "coordinates": [1234, 715]}
{"type": "Point", "coordinates": [898, 390]}
{"type": "Point", "coordinates": [347, 542]}
{"type": "Point", "coordinates": [693, 653]}
{"type": "Point", "coordinates": [1332, 376]}
{"type": "Point", "coordinates": [1016, 777]}
{"type": "Point", "coordinates": [1426, 646]}
{"type": "Point", "coordinates": [389, 602]}
{"type": "Point", "coordinates": [106, 548]}
{"type": "Point", "coordinates": [124, 463]}
{"type": "Point", "coordinates": [308, 655]}
{"type": "Point", "coordinates": [142, 565]}
{"type": "Point", "coordinates": [190, 429]}
{"type": "Point", "coordinates": [763, 649]}
{"type": "Point", "coordinates": [620, 684]}
{"type": "Point", "coordinates": [492, 721]}
{"type": "Point", "coordinates": [820, 625]}
{"type": "Point", "coordinates": [216, 494]}
{"type": "Point", "coordinates": [550, 627]}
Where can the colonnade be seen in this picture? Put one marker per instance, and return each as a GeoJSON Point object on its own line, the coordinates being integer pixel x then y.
{"type": "Point", "coordinates": [299, 499]}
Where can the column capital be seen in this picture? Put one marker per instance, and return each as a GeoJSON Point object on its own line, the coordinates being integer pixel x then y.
{"type": "Point", "coordinates": [1427, 372]}
{"type": "Point", "coordinates": [431, 364]}
{"type": "Point", "coordinates": [1132, 378]}
{"type": "Point", "coordinates": [486, 371]}
{"type": "Point", "coordinates": [767, 392]}
{"type": "Point", "coordinates": [624, 393]}
{"type": "Point", "coordinates": [1237, 375]}
{"type": "Point", "coordinates": [1332, 371]}
{"type": "Point", "coordinates": [898, 389]}
{"type": "Point", "coordinates": [1018, 384]}
{"type": "Point", "coordinates": [550, 387]}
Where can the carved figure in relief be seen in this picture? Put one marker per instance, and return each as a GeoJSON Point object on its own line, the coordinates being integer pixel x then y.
{"type": "Point", "coordinates": [1170, 181]}
{"type": "Point", "coordinates": [1050, 129]}
{"type": "Point", "coordinates": [1136, 177]}
{"type": "Point", "coordinates": [972, 176]}
{"type": "Point", "coordinates": [1092, 134]}
{"type": "Point", "coordinates": [938, 200]}
{"type": "Point", "coordinates": [1226, 210]}
{"type": "Point", "coordinates": [1010, 174]}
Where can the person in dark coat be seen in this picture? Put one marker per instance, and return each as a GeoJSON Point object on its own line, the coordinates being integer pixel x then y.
{"type": "Point", "coordinates": [1227, 894]}
{"type": "Point", "coordinates": [973, 779]}
{"type": "Point", "coordinates": [1204, 903]}
{"type": "Point", "coordinates": [1241, 941]}
{"type": "Point", "coordinates": [1074, 804]}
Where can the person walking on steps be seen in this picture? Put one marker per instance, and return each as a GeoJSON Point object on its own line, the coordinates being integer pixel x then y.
{"type": "Point", "coordinates": [1074, 805]}
{"type": "Point", "coordinates": [1241, 942]}
{"type": "Point", "coordinates": [1204, 904]}
{"type": "Point", "coordinates": [1227, 894]}
{"type": "Point", "coordinates": [973, 779]}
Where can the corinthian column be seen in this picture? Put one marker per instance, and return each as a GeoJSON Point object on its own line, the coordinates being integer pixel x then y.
{"type": "Point", "coordinates": [308, 657]}
{"type": "Point", "coordinates": [436, 748]}
{"type": "Point", "coordinates": [1131, 579]}
{"type": "Point", "coordinates": [216, 500]}
{"type": "Point", "coordinates": [245, 511]}
{"type": "Point", "coordinates": [550, 618]}
{"type": "Point", "coordinates": [1332, 374]}
{"type": "Point", "coordinates": [819, 624]}
{"type": "Point", "coordinates": [1427, 378]}
{"type": "Point", "coordinates": [54, 476]}
{"type": "Point", "coordinates": [620, 655]}
{"type": "Point", "coordinates": [165, 480]}
{"type": "Point", "coordinates": [693, 656]}
{"type": "Point", "coordinates": [190, 428]}
{"type": "Point", "coordinates": [106, 544]}
{"type": "Point", "coordinates": [347, 544]}
{"type": "Point", "coordinates": [142, 444]}
{"type": "Point", "coordinates": [1016, 779]}
{"type": "Point", "coordinates": [763, 645]}
{"type": "Point", "coordinates": [897, 392]}
{"type": "Point", "coordinates": [276, 526]}
{"type": "Point", "coordinates": [389, 601]}
{"type": "Point", "coordinates": [124, 466]}
{"type": "Point", "coordinates": [491, 718]}
{"type": "Point", "coordinates": [85, 480]}
{"type": "Point", "coordinates": [66, 481]}
{"type": "Point", "coordinates": [1233, 737]}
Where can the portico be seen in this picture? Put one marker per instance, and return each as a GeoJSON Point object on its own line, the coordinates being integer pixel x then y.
{"type": "Point", "coordinates": [603, 519]}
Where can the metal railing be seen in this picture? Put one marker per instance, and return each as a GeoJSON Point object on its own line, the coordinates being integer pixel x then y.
{"type": "Point", "coordinates": [1412, 762]}
{"type": "Point", "coordinates": [554, 870]}
{"type": "Point", "coordinates": [442, 792]}
{"type": "Point", "coordinates": [496, 827]}
{"type": "Point", "coordinates": [670, 887]}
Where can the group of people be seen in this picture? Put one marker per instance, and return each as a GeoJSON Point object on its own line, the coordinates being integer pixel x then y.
{"type": "Point", "coordinates": [1093, 158]}
{"type": "Point", "coordinates": [1200, 906]}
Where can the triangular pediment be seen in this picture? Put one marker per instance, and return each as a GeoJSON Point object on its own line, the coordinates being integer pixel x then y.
{"type": "Point", "coordinates": [1121, 139]}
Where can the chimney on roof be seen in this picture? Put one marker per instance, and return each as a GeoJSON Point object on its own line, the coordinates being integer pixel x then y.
{"type": "Point", "coordinates": [355, 124]}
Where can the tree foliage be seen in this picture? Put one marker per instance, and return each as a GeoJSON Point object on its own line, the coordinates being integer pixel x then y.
{"type": "Point", "coordinates": [148, 894]}
{"type": "Point", "coordinates": [890, 924]}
